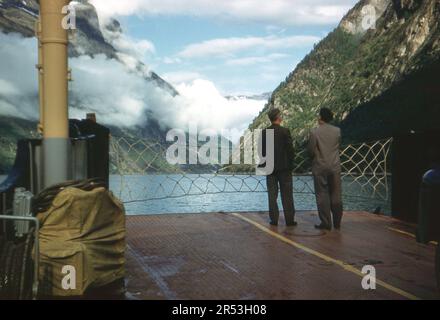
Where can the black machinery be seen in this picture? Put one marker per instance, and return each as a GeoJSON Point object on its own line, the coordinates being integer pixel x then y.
{"type": "Point", "coordinates": [22, 194]}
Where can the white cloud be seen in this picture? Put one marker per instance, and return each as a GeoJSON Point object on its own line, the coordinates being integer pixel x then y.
{"type": "Point", "coordinates": [201, 102]}
{"type": "Point", "coordinates": [248, 61]}
{"type": "Point", "coordinates": [7, 88]}
{"type": "Point", "coordinates": [116, 94]}
{"type": "Point", "coordinates": [178, 77]}
{"type": "Point", "coordinates": [285, 12]}
{"type": "Point", "coordinates": [226, 47]}
{"type": "Point", "coordinates": [137, 48]}
{"type": "Point", "coordinates": [109, 88]}
{"type": "Point", "coordinates": [134, 47]}
{"type": "Point", "coordinates": [18, 77]}
{"type": "Point", "coordinates": [272, 29]}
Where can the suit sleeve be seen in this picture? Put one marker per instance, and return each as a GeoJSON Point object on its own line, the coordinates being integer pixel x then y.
{"type": "Point", "coordinates": [312, 145]}
{"type": "Point", "coordinates": [289, 150]}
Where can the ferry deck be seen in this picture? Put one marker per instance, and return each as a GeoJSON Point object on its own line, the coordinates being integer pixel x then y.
{"type": "Point", "coordinates": [240, 256]}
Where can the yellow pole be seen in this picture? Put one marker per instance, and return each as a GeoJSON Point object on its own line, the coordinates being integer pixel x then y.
{"type": "Point", "coordinates": [55, 68]}
{"type": "Point", "coordinates": [40, 75]}
{"type": "Point", "coordinates": [54, 42]}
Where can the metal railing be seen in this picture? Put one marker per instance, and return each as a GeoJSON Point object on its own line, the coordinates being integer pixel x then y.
{"type": "Point", "coordinates": [365, 172]}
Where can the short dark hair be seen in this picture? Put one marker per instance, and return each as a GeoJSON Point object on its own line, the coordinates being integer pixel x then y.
{"type": "Point", "coordinates": [274, 114]}
{"type": "Point", "coordinates": [326, 115]}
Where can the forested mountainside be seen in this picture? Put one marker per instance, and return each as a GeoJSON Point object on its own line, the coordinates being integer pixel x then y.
{"type": "Point", "coordinates": [352, 66]}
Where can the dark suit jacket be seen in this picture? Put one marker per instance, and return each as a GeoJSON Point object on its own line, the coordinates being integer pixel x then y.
{"type": "Point", "coordinates": [283, 148]}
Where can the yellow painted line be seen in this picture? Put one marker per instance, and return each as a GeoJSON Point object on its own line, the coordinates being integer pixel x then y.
{"type": "Point", "coordinates": [326, 258]}
{"type": "Point", "coordinates": [409, 234]}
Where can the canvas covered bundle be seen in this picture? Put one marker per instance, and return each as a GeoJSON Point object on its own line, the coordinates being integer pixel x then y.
{"type": "Point", "coordinates": [82, 242]}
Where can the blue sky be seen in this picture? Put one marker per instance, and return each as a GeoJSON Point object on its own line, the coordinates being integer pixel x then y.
{"type": "Point", "coordinates": [207, 49]}
{"type": "Point", "coordinates": [241, 46]}
{"type": "Point", "coordinates": [253, 70]}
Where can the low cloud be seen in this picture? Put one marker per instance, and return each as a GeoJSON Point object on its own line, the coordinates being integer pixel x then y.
{"type": "Point", "coordinates": [18, 77]}
{"type": "Point", "coordinates": [117, 94]}
{"type": "Point", "coordinates": [180, 77]}
{"type": "Point", "coordinates": [137, 48]}
{"type": "Point", "coordinates": [204, 104]}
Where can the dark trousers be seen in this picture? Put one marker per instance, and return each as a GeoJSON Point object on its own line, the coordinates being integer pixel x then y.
{"type": "Point", "coordinates": [329, 197]}
{"type": "Point", "coordinates": [281, 181]}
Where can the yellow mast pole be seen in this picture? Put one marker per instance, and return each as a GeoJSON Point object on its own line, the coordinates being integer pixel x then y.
{"type": "Point", "coordinates": [54, 42]}
{"type": "Point", "coordinates": [40, 75]}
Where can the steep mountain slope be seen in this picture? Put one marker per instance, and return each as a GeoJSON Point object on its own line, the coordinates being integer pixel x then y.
{"type": "Point", "coordinates": [351, 66]}
{"type": "Point", "coordinates": [19, 17]}
{"type": "Point", "coordinates": [11, 129]}
{"type": "Point", "coordinates": [109, 78]}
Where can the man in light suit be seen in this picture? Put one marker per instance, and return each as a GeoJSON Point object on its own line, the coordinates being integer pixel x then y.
{"type": "Point", "coordinates": [324, 148]}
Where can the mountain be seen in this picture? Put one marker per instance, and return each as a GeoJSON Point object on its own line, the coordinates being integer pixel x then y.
{"type": "Point", "coordinates": [12, 129]}
{"type": "Point", "coordinates": [353, 66]}
{"type": "Point", "coordinates": [19, 17]}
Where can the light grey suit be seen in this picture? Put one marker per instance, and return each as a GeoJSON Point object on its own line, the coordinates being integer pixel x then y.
{"type": "Point", "coordinates": [324, 148]}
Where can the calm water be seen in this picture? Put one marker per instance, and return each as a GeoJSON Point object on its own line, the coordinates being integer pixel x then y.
{"type": "Point", "coordinates": [160, 194]}
{"type": "Point", "coordinates": [208, 193]}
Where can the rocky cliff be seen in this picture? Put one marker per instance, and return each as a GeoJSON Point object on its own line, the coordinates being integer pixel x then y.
{"type": "Point", "coordinates": [20, 16]}
{"type": "Point", "coordinates": [354, 64]}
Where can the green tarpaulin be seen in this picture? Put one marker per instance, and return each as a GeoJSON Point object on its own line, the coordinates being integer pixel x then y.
{"type": "Point", "coordinates": [82, 242]}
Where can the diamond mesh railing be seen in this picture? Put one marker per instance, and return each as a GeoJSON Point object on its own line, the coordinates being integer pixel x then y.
{"type": "Point", "coordinates": [365, 173]}
{"type": "Point", "coordinates": [366, 166]}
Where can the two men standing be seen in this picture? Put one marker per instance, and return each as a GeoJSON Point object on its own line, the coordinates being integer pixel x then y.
{"type": "Point", "coordinates": [324, 145]}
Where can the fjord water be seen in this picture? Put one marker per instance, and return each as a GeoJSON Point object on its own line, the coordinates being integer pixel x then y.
{"type": "Point", "coordinates": [161, 194]}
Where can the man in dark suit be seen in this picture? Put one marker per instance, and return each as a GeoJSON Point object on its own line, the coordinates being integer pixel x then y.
{"type": "Point", "coordinates": [281, 176]}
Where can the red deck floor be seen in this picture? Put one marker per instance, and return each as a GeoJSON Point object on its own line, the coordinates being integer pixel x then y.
{"type": "Point", "coordinates": [228, 256]}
